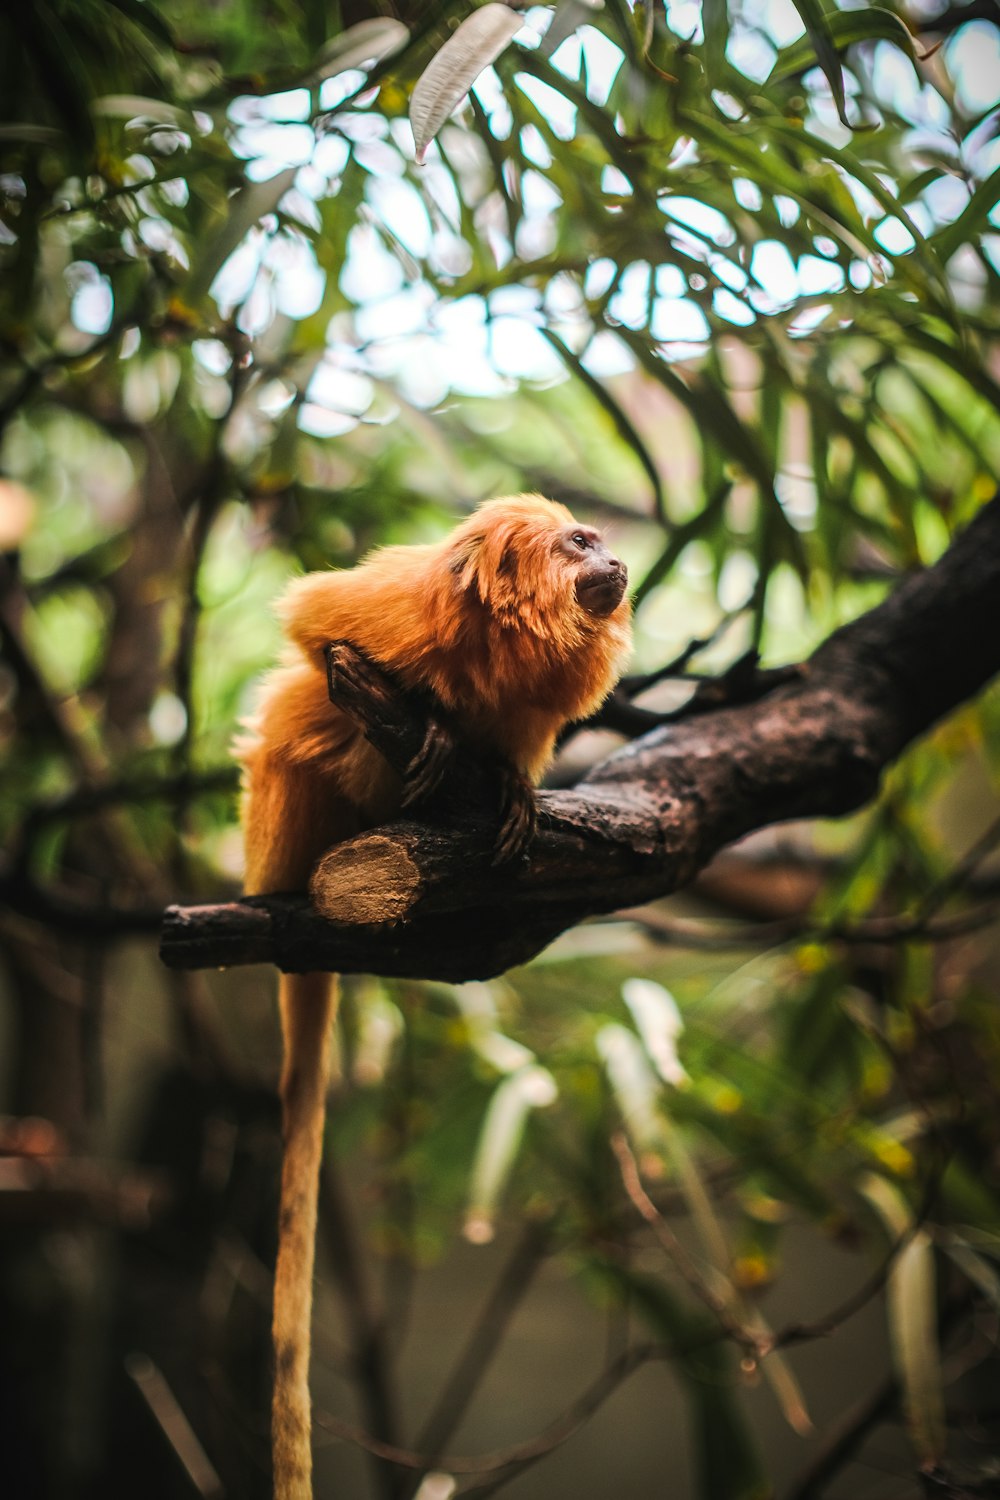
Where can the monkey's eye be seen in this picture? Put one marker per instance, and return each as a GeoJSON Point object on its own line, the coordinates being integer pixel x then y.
{"type": "Point", "coordinates": [579, 540]}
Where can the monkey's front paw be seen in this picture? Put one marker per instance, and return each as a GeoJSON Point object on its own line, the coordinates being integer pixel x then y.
{"type": "Point", "coordinates": [518, 817]}
{"type": "Point", "coordinates": [348, 671]}
{"type": "Point", "coordinates": [427, 769]}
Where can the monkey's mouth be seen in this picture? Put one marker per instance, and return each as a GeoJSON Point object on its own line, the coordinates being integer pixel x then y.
{"type": "Point", "coordinates": [601, 593]}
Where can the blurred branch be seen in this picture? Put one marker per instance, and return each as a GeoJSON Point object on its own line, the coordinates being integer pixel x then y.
{"type": "Point", "coordinates": [521, 1454]}
{"type": "Point", "coordinates": [21, 894]}
{"type": "Point", "coordinates": [846, 1436]}
{"type": "Point", "coordinates": [172, 1421]}
{"type": "Point", "coordinates": [32, 376]}
{"type": "Point", "coordinates": [844, 1439]}
{"type": "Point", "coordinates": [85, 800]}
{"type": "Point", "coordinates": [92, 922]}
{"type": "Point", "coordinates": [62, 1190]}
{"type": "Point", "coordinates": [644, 821]}
{"type": "Point", "coordinates": [688, 932]}
{"type": "Point", "coordinates": [370, 1361]}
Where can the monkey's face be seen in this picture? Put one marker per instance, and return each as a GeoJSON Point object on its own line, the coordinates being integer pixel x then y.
{"type": "Point", "coordinates": [600, 576]}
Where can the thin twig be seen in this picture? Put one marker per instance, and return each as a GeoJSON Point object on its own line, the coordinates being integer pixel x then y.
{"type": "Point", "coordinates": [169, 1416]}
{"type": "Point", "coordinates": [754, 1343]}
{"type": "Point", "coordinates": [958, 876]}
{"type": "Point", "coordinates": [550, 1438]}
{"type": "Point", "coordinates": [688, 932]}
{"type": "Point", "coordinates": [474, 1359]}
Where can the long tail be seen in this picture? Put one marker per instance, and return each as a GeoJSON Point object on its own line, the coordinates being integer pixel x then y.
{"type": "Point", "coordinates": [308, 1004]}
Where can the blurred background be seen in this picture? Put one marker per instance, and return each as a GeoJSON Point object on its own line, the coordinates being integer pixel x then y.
{"type": "Point", "coordinates": [723, 278]}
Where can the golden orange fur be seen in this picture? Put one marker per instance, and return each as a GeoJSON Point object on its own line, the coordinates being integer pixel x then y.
{"type": "Point", "coordinates": [490, 621]}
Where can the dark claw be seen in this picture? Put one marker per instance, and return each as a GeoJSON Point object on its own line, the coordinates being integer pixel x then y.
{"type": "Point", "coordinates": [341, 665]}
{"type": "Point", "coordinates": [517, 818]}
{"type": "Point", "coordinates": [427, 769]}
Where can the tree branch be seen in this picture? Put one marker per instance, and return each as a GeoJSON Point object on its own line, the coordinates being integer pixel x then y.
{"type": "Point", "coordinates": [423, 899]}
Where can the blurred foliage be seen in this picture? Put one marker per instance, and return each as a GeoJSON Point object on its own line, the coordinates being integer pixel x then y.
{"type": "Point", "coordinates": [723, 277]}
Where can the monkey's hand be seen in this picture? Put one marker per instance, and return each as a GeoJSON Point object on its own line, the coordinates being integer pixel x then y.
{"type": "Point", "coordinates": [518, 816]}
{"type": "Point", "coordinates": [428, 768]}
{"type": "Point", "coordinates": [436, 764]}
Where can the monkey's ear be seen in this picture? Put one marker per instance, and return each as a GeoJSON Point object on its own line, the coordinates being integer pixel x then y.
{"type": "Point", "coordinates": [486, 562]}
{"type": "Point", "coordinates": [462, 561]}
{"type": "Point", "coordinates": [467, 562]}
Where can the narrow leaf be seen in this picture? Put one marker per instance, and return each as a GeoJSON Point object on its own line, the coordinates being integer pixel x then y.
{"type": "Point", "coordinates": [140, 13]}
{"type": "Point", "coordinates": [912, 1309]}
{"type": "Point", "coordinates": [133, 106]}
{"type": "Point", "coordinates": [569, 14]}
{"type": "Point", "coordinates": [366, 42]}
{"type": "Point", "coordinates": [618, 415]}
{"type": "Point", "coordinates": [913, 1327]}
{"type": "Point", "coordinates": [975, 1268]}
{"type": "Point", "coordinates": [817, 26]}
{"type": "Point", "coordinates": [659, 1023]}
{"type": "Point", "coordinates": [845, 28]}
{"type": "Point", "coordinates": [245, 209]}
{"type": "Point", "coordinates": [450, 74]}
{"type": "Point", "coordinates": [973, 219]}
{"type": "Point", "coordinates": [531, 1087]}
{"type": "Point", "coordinates": [715, 22]}
{"type": "Point", "coordinates": [633, 1084]}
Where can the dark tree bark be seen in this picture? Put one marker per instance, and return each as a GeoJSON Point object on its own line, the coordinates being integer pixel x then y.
{"type": "Point", "coordinates": [425, 900]}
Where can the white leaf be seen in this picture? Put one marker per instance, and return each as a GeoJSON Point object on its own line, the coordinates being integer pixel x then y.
{"type": "Point", "coordinates": [659, 1023]}
{"type": "Point", "coordinates": [633, 1084]}
{"type": "Point", "coordinates": [913, 1331]}
{"type": "Point", "coordinates": [451, 73]}
{"type": "Point", "coordinates": [532, 1087]}
{"type": "Point", "coordinates": [365, 43]}
{"type": "Point", "coordinates": [911, 1304]}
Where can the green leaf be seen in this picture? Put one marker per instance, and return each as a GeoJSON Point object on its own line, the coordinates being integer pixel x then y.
{"type": "Point", "coordinates": [618, 415]}
{"type": "Point", "coordinates": [821, 37]}
{"type": "Point", "coordinates": [245, 209]}
{"type": "Point", "coordinates": [145, 16]}
{"type": "Point", "coordinates": [851, 163]}
{"type": "Point", "coordinates": [772, 173]}
{"type": "Point", "coordinates": [715, 23]}
{"type": "Point", "coordinates": [842, 29]}
{"type": "Point", "coordinates": [58, 60]}
{"type": "Point", "coordinates": [710, 409]}
{"type": "Point", "coordinates": [972, 221]}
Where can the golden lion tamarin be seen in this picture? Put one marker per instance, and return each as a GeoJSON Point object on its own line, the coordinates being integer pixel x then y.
{"type": "Point", "coordinates": [517, 623]}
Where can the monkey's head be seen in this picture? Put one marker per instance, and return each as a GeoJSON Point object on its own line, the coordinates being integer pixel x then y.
{"type": "Point", "coordinates": [531, 564]}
